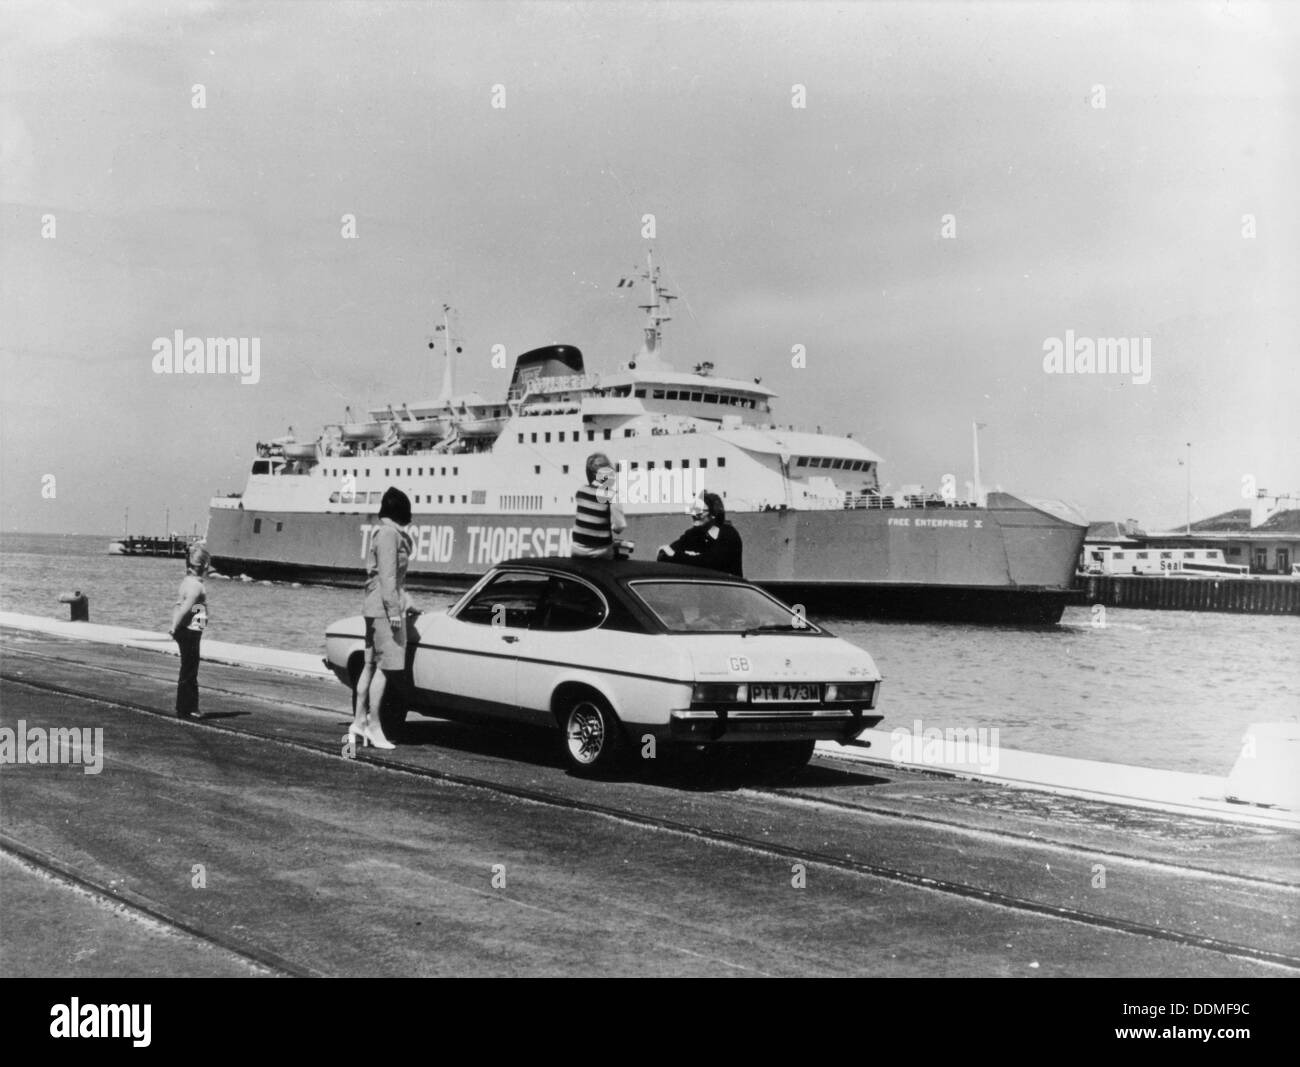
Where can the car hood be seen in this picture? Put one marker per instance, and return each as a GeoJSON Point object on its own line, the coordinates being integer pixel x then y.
{"type": "Point", "coordinates": [777, 657]}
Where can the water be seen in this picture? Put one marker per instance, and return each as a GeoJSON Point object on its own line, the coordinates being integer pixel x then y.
{"type": "Point", "coordinates": [1168, 689]}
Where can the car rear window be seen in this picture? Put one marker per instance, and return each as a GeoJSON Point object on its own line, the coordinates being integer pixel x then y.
{"type": "Point", "coordinates": [717, 607]}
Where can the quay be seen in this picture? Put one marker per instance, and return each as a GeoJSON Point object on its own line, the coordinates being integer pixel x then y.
{"type": "Point", "coordinates": [249, 843]}
{"type": "Point", "coordinates": [1257, 596]}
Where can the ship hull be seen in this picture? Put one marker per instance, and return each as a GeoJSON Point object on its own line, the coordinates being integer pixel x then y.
{"type": "Point", "coordinates": [1012, 561]}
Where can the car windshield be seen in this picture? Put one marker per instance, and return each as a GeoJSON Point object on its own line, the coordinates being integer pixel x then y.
{"type": "Point", "coordinates": [718, 607]}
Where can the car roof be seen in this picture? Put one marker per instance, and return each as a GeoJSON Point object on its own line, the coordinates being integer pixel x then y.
{"type": "Point", "coordinates": [619, 571]}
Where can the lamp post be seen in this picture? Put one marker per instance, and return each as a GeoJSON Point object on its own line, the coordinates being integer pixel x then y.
{"type": "Point", "coordinates": [1189, 488]}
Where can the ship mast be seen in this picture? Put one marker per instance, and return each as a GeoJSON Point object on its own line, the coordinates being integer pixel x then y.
{"type": "Point", "coordinates": [448, 386]}
{"type": "Point", "coordinates": [657, 310]}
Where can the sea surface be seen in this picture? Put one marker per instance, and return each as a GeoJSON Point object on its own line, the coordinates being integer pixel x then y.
{"type": "Point", "coordinates": [1168, 689]}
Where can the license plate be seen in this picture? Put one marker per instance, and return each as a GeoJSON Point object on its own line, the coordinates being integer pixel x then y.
{"type": "Point", "coordinates": [810, 693]}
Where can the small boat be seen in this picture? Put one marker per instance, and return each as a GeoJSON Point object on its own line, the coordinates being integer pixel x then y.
{"type": "Point", "coordinates": [363, 431]}
{"type": "Point", "coordinates": [300, 452]}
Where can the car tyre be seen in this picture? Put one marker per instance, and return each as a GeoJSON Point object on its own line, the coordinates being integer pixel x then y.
{"type": "Point", "coordinates": [593, 737]}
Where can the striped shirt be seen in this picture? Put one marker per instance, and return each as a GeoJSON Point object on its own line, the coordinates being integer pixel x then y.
{"type": "Point", "coordinates": [592, 534]}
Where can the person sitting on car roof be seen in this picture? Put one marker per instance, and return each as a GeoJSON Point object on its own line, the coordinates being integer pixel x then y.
{"type": "Point", "coordinates": [598, 516]}
{"type": "Point", "coordinates": [710, 542]}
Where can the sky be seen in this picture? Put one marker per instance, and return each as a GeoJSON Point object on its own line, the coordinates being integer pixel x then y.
{"type": "Point", "coordinates": [963, 184]}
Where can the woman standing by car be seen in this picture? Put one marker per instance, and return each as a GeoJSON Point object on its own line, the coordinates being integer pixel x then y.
{"type": "Point", "coordinates": [384, 609]}
{"type": "Point", "coordinates": [189, 620]}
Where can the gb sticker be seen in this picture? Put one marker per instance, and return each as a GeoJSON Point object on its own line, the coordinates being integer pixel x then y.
{"type": "Point", "coordinates": [738, 664]}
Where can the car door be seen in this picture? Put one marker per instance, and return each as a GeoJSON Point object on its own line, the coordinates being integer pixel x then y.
{"type": "Point", "coordinates": [563, 633]}
{"type": "Point", "coordinates": [470, 659]}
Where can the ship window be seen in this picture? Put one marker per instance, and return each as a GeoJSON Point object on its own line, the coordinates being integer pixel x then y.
{"type": "Point", "coordinates": [367, 472]}
{"type": "Point", "coordinates": [521, 439]}
{"type": "Point", "coordinates": [1141, 555]}
{"type": "Point", "coordinates": [668, 464]}
{"type": "Point", "coordinates": [480, 496]}
{"type": "Point", "coordinates": [1166, 555]}
{"type": "Point", "coordinates": [565, 469]}
{"type": "Point", "coordinates": [1234, 551]}
{"type": "Point", "coordinates": [697, 397]}
{"type": "Point", "coordinates": [703, 464]}
{"type": "Point", "coordinates": [537, 469]}
{"type": "Point", "coordinates": [671, 394]}
{"type": "Point", "coordinates": [334, 497]}
{"type": "Point", "coordinates": [439, 498]}
{"type": "Point", "coordinates": [628, 433]}
{"type": "Point", "coordinates": [1189, 555]}
{"type": "Point", "coordinates": [710, 398]}
{"type": "Point", "coordinates": [657, 394]}
{"type": "Point", "coordinates": [722, 461]}
{"type": "Point", "coordinates": [634, 465]}
{"type": "Point", "coordinates": [685, 463]}
{"type": "Point", "coordinates": [802, 461]}
{"type": "Point", "coordinates": [279, 526]}
{"type": "Point", "coordinates": [548, 438]}
{"type": "Point", "coordinates": [257, 526]}
{"type": "Point", "coordinates": [464, 499]}
{"type": "Point", "coordinates": [650, 465]}
{"type": "Point", "coordinates": [561, 437]}
{"type": "Point", "coordinates": [591, 435]}
{"type": "Point", "coordinates": [640, 393]}
{"type": "Point", "coordinates": [444, 472]}
{"type": "Point", "coordinates": [455, 470]}
{"type": "Point", "coordinates": [607, 435]}
{"type": "Point", "coordinates": [534, 440]}
{"type": "Point", "coordinates": [408, 472]}
{"type": "Point", "coordinates": [1119, 555]}
{"type": "Point", "coordinates": [839, 465]}
{"type": "Point", "coordinates": [496, 413]}
{"type": "Point", "coordinates": [385, 472]}
{"type": "Point", "coordinates": [261, 466]}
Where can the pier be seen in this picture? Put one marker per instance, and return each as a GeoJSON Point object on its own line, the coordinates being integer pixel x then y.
{"type": "Point", "coordinates": [1256, 596]}
{"type": "Point", "coordinates": [457, 854]}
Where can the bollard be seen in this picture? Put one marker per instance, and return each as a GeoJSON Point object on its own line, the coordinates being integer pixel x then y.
{"type": "Point", "coordinates": [79, 605]}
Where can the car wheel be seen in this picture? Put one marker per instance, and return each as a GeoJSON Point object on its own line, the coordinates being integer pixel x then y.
{"type": "Point", "coordinates": [593, 736]}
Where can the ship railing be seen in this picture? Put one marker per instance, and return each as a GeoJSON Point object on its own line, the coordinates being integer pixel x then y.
{"type": "Point", "coordinates": [854, 501]}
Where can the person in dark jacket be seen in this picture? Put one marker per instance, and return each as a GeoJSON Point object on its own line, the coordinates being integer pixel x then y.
{"type": "Point", "coordinates": [710, 542]}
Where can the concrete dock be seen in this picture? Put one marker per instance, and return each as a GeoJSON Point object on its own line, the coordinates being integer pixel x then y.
{"type": "Point", "coordinates": [246, 843]}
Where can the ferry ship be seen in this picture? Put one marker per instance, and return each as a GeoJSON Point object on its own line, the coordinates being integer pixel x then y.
{"type": "Point", "coordinates": [495, 480]}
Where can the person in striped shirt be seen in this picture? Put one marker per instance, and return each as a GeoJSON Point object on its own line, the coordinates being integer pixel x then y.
{"type": "Point", "coordinates": [598, 516]}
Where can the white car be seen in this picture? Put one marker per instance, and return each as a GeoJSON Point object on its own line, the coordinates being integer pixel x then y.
{"type": "Point", "coordinates": [616, 652]}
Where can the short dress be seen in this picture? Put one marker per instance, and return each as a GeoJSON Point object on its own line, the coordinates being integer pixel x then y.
{"type": "Point", "coordinates": [387, 557]}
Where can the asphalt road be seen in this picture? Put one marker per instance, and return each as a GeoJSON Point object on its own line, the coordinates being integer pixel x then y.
{"type": "Point", "coordinates": [247, 844]}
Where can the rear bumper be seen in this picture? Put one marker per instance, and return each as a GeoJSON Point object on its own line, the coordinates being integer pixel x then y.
{"type": "Point", "coordinates": [744, 726]}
